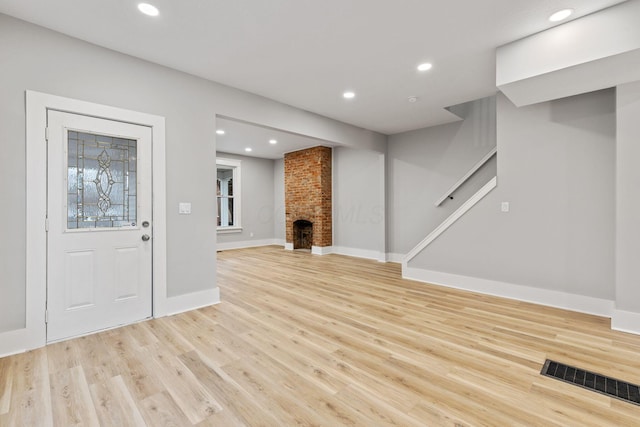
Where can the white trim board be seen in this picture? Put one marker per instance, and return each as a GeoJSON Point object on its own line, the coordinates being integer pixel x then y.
{"type": "Point", "coordinates": [181, 303]}
{"type": "Point", "coordinates": [339, 250]}
{"type": "Point", "coordinates": [394, 257]}
{"type": "Point", "coordinates": [464, 208]}
{"type": "Point", "coordinates": [360, 253]}
{"type": "Point", "coordinates": [466, 176]}
{"type": "Point", "coordinates": [16, 341]}
{"type": "Point", "coordinates": [321, 250]}
{"type": "Point", "coordinates": [626, 321]}
{"type": "Point", "coordinates": [235, 166]}
{"type": "Point", "coordinates": [225, 246]}
{"type": "Point", "coordinates": [382, 230]}
{"type": "Point", "coordinates": [37, 105]}
{"type": "Point", "coordinates": [551, 298]}
{"type": "Point", "coordinates": [315, 250]}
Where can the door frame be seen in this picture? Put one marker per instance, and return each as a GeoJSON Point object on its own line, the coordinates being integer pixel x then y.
{"type": "Point", "coordinates": [37, 107]}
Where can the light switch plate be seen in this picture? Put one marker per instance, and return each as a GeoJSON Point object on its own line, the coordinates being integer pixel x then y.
{"type": "Point", "coordinates": [184, 208]}
{"type": "Point", "coordinates": [504, 207]}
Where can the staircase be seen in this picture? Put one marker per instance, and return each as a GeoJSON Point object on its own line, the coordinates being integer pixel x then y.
{"type": "Point", "coordinates": [458, 213]}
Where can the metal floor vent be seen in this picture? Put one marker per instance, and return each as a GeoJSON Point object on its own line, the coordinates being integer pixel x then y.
{"type": "Point", "coordinates": [591, 381]}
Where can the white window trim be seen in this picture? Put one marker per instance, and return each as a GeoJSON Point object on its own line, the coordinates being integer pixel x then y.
{"type": "Point", "coordinates": [229, 230]}
{"type": "Point", "coordinates": [237, 194]}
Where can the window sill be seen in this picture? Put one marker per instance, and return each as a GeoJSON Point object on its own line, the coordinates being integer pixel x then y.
{"type": "Point", "coordinates": [227, 230]}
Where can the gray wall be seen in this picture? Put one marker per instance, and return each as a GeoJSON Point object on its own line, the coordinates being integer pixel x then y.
{"type": "Point", "coordinates": [627, 200]}
{"type": "Point", "coordinates": [556, 169]}
{"type": "Point", "coordinates": [358, 199]}
{"type": "Point", "coordinates": [34, 58]}
{"type": "Point", "coordinates": [257, 192]}
{"type": "Point", "coordinates": [37, 59]}
{"type": "Point", "coordinates": [423, 164]}
{"type": "Point", "coordinates": [279, 218]}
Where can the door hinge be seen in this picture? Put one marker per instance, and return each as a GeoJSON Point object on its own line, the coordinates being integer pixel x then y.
{"type": "Point", "coordinates": [46, 316]}
{"type": "Point", "coordinates": [46, 133]}
{"type": "Point", "coordinates": [46, 224]}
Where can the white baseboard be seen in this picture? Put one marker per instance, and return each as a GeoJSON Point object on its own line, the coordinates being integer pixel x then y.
{"type": "Point", "coordinates": [551, 298]}
{"type": "Point", "coordinates": [321, 250]}
{"type": "Point", "coordinates": [626, 321]}
{"type": "Point", "coordinates": [16, 341]}
{"type": "Point", "coordinates": [360, 253]}
{"type": "Point", "coordinates": [186, 302]}
{"type": "Point", "coordinates": [397, 258]}
{"type": "Point", "coordinates": [21, 340]}
{"type": "Point", "coordinates": [315, 250]}
{"type": "Point", "coordinates": [248, 244]}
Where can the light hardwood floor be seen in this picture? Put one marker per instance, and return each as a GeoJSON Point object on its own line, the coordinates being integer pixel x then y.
{"type": "Point", "coordinates": [308, 340]}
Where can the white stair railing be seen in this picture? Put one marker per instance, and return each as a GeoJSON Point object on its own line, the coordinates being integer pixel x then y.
{"type": "Point", "coordinates": [466, 176]}
{"type": "Point", "coordinates": [466, 206]}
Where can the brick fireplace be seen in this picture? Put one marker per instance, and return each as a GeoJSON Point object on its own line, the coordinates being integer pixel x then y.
{"type": "Point", "coordinates": [307, 183]}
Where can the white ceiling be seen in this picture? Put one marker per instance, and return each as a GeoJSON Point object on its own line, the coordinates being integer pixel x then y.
{"type": "Point", "coordinates": [307, 52]}
{"type": "Point", "coordinates": [240, 135]}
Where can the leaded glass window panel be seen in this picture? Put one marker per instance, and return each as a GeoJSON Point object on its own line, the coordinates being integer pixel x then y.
{"type": "Point", "coordinates": [101, 181]}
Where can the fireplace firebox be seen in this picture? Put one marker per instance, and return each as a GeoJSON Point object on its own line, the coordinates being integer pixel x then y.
{"type": "Point", "coordinates": [302, 234]}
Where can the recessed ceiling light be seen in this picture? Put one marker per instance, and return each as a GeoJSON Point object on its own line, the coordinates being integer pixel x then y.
{"type": "Point", "coordinates": [148, 9]}
{"type": "Point", "coordinates": [425, 67]}
{"type": "Point", "coordinates": [349, 95]}
{"type": "Point", "coordinates": [560, 15]}
{"type": "Point", "coordinates": [220, 132]}
{"type": "Point", "coordinates": [412, 99]}
{"type": "Point", "coordinates": [248, 149]}
{"type": "Point", "coordinates": [273, 141]}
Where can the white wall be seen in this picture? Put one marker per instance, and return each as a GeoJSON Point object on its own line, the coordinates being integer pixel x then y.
{"type": "Point", "coordinates": [423, 164]}
{"type": "Point", "coordinates": [38, 59]}
{"type": "Point", "coordinates": [628, 209]}
{"type": "Point", "coordinates": [257, 194]}
{"type": "Point", "coordinates": [279, 218]}
{"type": "Point", "coordinates": [358, 203]}
{"type": "Point", "coordinates": [597, 51]}
{"type": "Point", "coordinates": [556, 168]}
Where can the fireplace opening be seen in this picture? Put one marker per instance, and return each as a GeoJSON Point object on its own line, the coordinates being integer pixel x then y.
{"type": "Point", "coordinates": [302, 234]}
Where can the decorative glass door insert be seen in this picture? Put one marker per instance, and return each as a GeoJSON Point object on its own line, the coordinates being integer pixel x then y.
{"type": "Point", "coordinates": [101, 181]}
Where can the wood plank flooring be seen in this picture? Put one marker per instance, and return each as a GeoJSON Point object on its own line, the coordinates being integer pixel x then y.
{"type": "Point", "coordinates": [302, 340]}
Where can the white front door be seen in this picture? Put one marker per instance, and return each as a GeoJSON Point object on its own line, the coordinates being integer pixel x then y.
{"type": "Point", "coordinates": [99, 260]}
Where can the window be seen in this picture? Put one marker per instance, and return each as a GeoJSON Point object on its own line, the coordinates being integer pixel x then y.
{"type": "Point", "coordinates": [101, 181]}
{"type": "Point", "coordinates": [228, 195]}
